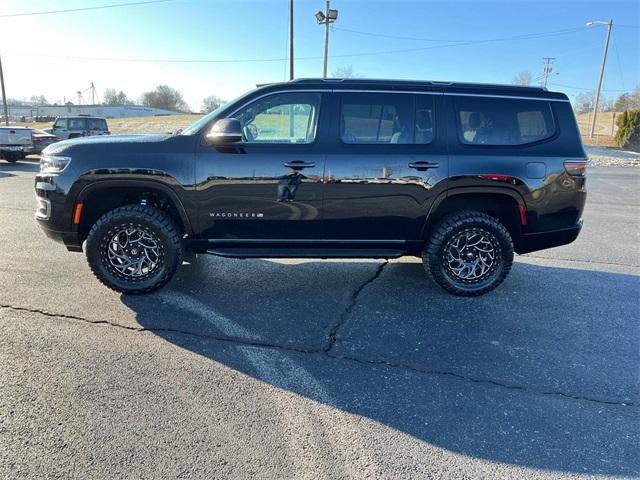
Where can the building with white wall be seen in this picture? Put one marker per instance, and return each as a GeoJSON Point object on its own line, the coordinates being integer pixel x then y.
{"type": "Point", "coordinates": [28, 112]}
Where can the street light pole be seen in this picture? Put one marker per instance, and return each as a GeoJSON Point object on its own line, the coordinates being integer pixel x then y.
{"type": "Point", "coordinates": [326, 42]}
{"type": "Point", "coordinates": [4, 96]}
{"type": "Point", "coordinates": [326, 18]}
{"type": "Point", "coordinates": [604, 62]}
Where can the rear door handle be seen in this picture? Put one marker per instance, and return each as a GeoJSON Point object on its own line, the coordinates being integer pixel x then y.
{"type": "Point", "coordinates": [299, 164]}
{"type": "Point", "coordinates": [423, 166]}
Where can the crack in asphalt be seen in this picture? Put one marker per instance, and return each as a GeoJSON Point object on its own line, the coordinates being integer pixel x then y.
{"type": "Point", "coordinates": [326, 351]}
{"type": "Point", "coordinates": [573, 260]}
{"type": "Point", "coordinates": [331, 338]}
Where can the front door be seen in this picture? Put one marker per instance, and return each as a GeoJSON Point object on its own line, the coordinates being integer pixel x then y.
{"type": "Point", "coordinates": [269, 186]}
{"type": "Point", "coordinates": [389, 164]}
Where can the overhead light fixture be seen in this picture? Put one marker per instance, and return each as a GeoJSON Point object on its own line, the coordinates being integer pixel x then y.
{"type": "Point", "coordinates": [320, 17]}
{"type": "Point", "coordinates": [332, 14]}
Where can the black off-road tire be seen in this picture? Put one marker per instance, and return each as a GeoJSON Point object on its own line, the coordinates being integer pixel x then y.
{"type": "Point", "coordinates": [149, 219]}
{"type": "Point", "coordinates": [434, 257]}
{"type": "Point", "coordinates": [11, 158]}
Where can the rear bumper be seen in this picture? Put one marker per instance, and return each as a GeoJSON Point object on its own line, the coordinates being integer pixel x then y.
{"type": "Point", "coordinates": [531, 242]}
{"type": "Point", "coordinates": [68, 239]}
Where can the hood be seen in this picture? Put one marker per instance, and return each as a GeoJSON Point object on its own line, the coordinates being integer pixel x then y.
{"type": "Point", "coordinates": [101, 142]}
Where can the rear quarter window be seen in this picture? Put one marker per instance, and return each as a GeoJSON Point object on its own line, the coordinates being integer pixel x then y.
{"type": "Point", "coordinates": [502, 121]}
{"type": "Point", "coordinates": [96, 124]}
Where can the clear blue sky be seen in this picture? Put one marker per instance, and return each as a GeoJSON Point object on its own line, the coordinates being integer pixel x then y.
{"type": "Point", "coordinates": [243, 29]}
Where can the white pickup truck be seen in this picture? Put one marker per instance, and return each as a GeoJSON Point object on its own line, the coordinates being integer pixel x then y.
{"type": "Point", "coordinates": [15, 142]}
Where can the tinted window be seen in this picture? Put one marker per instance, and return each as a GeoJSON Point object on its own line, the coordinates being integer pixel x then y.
{"type": "Point", "coordinates": [386, 118]}
{"type": "Point", "coordinates": [96, 124]}
{"type": "Point", "coordinates": [283, 118]}
{"type": "Point", "coordinates": [76, 124]}
{"type": "Point", "coordinates": [495, 121]}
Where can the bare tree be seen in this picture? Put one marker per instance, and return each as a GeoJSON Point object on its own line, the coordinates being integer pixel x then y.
{"type": "Point", "coordinates": [583, 102]}
{"type": "Point", "coordinates": [38, 100]}
{"type": "Point", "coordinates": [210, 103]}
{"type": "Point", "coordinates": [525, 77]}
{"type": "Point", "coordinates": [346, 72]}
{"type": "Point", "coordinates": [166, 98]}
{"type": "Point", "coordinates": [111, 97]}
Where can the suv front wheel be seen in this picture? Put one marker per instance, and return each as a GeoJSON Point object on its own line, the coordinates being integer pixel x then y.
{"type": "Point", "coordinates": [134, 249]}
{"type": "Point", "coordinates": [469, 253]}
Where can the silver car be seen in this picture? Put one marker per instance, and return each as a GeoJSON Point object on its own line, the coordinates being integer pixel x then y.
{"type": "Point", "coordinates": [73, 127]}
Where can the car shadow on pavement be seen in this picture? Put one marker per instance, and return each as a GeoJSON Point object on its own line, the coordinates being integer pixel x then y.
{"type": "Point", "coordinates": [541, 373]}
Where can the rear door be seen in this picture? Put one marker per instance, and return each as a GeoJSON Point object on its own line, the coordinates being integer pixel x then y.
{"type": "Point", "coordinates": [387, 164]}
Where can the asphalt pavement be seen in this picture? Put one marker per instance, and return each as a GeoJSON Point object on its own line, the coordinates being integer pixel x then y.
{"type": "Point", "coordinates": [323, 369]}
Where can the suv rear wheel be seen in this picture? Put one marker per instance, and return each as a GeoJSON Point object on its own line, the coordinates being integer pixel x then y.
{"type": "Point", "coordinates": [469, 253]}
{"type": "Point", "coordinates": [134, 249]}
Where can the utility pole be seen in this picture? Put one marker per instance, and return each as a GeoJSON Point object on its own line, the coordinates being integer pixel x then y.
{"type": "Point", "coordinates": [604, 62]}
{"type": "Point", "coordinates": [291, 76]}
{"type": "Point", "coordinates": [4, 96]}
{"type": "Point", "coordinates": [326, 18]}
{"type": "Point", "coordinates": [547, 69]}
{"type": "Point", "coordinates": [93, 94]}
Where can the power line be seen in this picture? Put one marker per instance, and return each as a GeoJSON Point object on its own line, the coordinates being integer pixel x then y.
{"type": "Point", "coordinates": [82, 9]}
{"type": "Point", "coordinates": [280, 59]}
{"type": "Point", "coordinates": [465, 41]}
{"type": "Point", "coordinates": [582, 88]}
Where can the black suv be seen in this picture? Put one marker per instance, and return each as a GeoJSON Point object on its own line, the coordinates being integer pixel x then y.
{"type": "Point", "coordinates": [461, 175]}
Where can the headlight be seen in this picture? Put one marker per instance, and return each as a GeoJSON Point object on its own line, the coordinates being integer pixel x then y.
{"type": "Point", "coordinates": [53, 164]}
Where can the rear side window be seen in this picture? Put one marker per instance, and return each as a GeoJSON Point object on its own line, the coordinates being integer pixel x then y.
{"type": "Point", "coordinates": [502, 121]}
{"type": "Point", "coordinates": [383, 118]}
{"type": "Point", "coordinates": [96, 124]}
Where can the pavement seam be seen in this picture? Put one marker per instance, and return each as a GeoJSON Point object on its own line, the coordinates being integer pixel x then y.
{"type": "Point", "coordinates": [526, 255]}
{"type": "Point", "coordinates": [327, 354]}
{"type": "Point", "coordinates": [332, 334]}
{"type": "Point", "coordinates": [479, 380]}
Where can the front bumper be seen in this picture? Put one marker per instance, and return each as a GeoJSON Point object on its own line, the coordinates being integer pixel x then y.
{"type": "Point", "coordinates": [69, 239]}
{"type": "Point", "coordinates": [531, 242]}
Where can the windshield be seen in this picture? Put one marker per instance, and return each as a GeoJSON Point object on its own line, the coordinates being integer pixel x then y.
{"type": "Point", "coordinates": [195, 127]}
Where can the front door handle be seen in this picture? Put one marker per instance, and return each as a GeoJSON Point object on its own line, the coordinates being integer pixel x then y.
{"type": "Point", "coordinates": [423, 166]}
{"type": "Point", "coordinates": [299, 164]}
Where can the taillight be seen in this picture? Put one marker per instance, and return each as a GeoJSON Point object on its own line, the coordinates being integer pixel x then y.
{"type": "Point", "coordinates": [576, 168]}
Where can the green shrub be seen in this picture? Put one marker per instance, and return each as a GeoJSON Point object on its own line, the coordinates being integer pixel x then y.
{"type": "Point", "coordinates": [628, 134]}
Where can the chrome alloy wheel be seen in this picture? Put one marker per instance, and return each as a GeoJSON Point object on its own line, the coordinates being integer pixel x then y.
{"type": "Point", "coordinates": [471, 255]}
{"type": "Point", "coordinates": [133, 252]}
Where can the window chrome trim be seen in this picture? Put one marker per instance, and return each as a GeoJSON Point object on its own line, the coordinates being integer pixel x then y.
{"type": "Point", "coordinates": [275, 92]}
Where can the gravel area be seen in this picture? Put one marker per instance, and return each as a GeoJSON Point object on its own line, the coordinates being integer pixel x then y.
{"type": "Point", "coordinates": [609, 157]}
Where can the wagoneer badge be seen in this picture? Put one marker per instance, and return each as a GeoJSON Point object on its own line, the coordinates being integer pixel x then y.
{"type": "Point", "coordinates": [236, 215]}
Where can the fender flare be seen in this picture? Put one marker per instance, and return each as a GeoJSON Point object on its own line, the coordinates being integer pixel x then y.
{"type": "Point", "coordinates": [151, 184]}
{"type": "Point", "coordinates": [497, 190]}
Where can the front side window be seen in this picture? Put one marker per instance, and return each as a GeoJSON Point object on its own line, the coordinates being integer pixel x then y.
{"type": "Point", "coordinates": [281, 118]}
{"type": "Point", "coordinates": [60, 123]}
{"type": "Point", "coordinates": [501, 121]}
{"type": "Point", "coordinates": [386, 118]}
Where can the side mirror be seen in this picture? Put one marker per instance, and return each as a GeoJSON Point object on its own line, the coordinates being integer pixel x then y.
{"type": "Point", "coordinates": [226, 130]}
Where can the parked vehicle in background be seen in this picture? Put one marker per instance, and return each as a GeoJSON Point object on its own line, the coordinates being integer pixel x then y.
{"type": "Point", "coordinates": [73, 127]}
{"type": "Point", "coordinates": [42, 140]}
{"type": "Point", "coordinates": [461, 175]}
{"type": "Point", "coordinates": [15, 143]}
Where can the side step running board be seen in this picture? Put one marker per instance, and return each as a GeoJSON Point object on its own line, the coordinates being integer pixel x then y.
{"type": "Point", "coordinates": [307, 252]}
